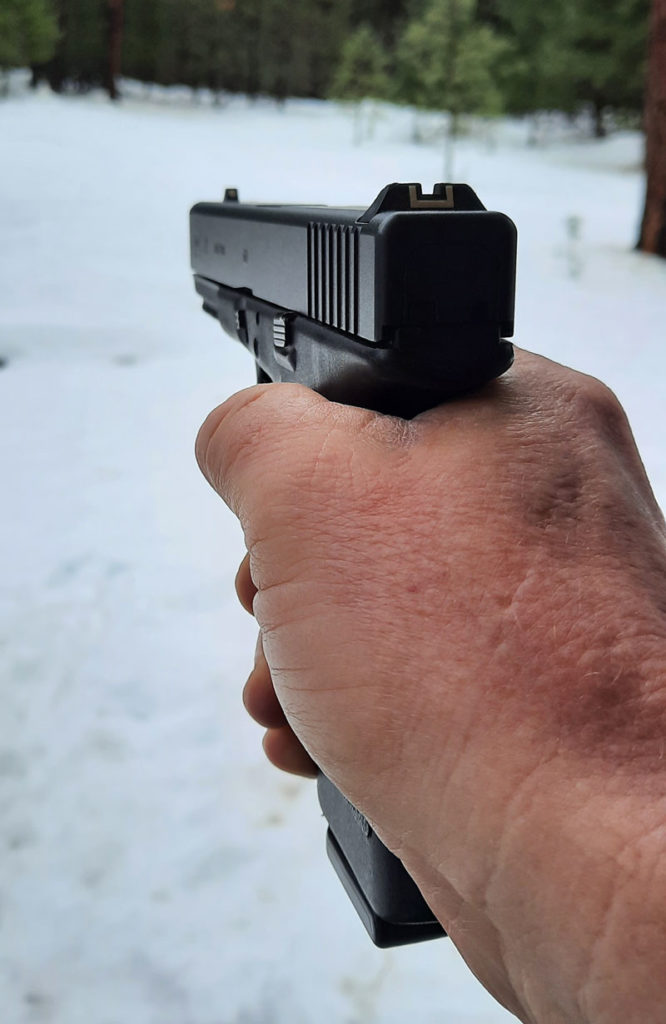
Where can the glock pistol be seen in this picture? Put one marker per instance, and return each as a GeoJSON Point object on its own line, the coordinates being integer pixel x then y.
{"type": "Point", "coordinates": [395, 308]}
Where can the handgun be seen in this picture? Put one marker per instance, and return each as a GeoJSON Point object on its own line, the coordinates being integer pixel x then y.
{"type": "Point", "coordinates": [393, 308]}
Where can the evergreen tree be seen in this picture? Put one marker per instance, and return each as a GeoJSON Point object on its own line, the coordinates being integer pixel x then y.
{"type": "Point", "coordinates": [233, 61]}
{"type": "Point", "coordinates": [385, 17]}
{"type": "Point", "coordinates": [140, 39]}
{"type": "Point", "coordinates": [570, 52]}
{"type": "Point", "coordinates": [199, 41]}
{"type": "Point", "coordinates": [411, 54]}
{"type": "Point", "coordinates": [361, 75]}
{"type": "Point", "coordinates": [326, 27]}
{"type": "Point", "coordinates": [170, 42]}
{"type": "Point", "coordinates": [81, 58]}
{"type": "Point", "coordinates": [537, 74]}
{"type": "Point", "coordinates": [609, 45]}
{"type": "Point", "coordinates": [28, 32]}
{"type": "Point", "coordinates": [448, 61]}
{"type": "Point", "coordinates": [282, 50]}
{"type": "Point", "coordinates": [361, 72]}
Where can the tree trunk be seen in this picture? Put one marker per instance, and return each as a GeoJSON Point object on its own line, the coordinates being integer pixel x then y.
{"type": "Point", "coordinates": [115, 46]}
{"type": "Point", "coordinates": [653, 228]}
{"type": "Point", "coordinates": [599, 118]}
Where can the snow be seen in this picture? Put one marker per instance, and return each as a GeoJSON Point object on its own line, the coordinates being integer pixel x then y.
{"type": "Point", "coordinates": [153, 867]}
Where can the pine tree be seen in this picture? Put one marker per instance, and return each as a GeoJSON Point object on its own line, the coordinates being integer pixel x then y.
{"type": "Point", "coordinates": [235, 61]}
{"type": "Point", "coordinates": [81, 56]}
{"type": "Point", "coordinates": [28, 33]}
{"type": "Point", "coordinates": [247, 46]}
{"type": "Point", "coordinates": [570, 53]}
{"type": "Point", "coordinates": [198, 43]}
{"type": "Point", "coordinates": [140, 39]}
{"type": "Point", "coordinates": [169, 44]}
{"type": "Point", "coordinates": [408, 81]}
{"type": "Point", "coordinates": [326, 26]}
{"type": "Point", "coordinates": [448, 61]}
{"type": "Point", "coordinates": [537, 72]}
{"type": "Point", "coordinates": [282, 49]}
{"type": "Point", "coordinates": [608, 44]}
{"type": "Point", "coordinates": [361, 72]}
{"type": "Point", "coordinates": [361, 75]}
{"type": "Point", "coordinates": [385, 17]}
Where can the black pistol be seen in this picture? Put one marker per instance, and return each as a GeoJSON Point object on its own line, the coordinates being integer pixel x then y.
{"type": "Point", "coordinates": [395, 308]}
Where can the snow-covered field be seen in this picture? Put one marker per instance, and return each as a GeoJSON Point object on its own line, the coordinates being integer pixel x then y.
{"type": "Point", "coordinates": [153, 868]}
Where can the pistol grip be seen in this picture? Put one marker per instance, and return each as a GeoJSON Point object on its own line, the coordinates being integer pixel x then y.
{"type": "Point", "coordinates": [384, 895]}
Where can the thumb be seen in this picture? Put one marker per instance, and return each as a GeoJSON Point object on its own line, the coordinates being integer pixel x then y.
{"type": "Point", "coordinates": [261, 449]}
{"type": "Point", "coordinates": [243, 436]}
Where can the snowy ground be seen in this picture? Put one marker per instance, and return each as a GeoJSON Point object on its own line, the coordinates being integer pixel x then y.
{"type": "Point", "coordinates": [153, 869]}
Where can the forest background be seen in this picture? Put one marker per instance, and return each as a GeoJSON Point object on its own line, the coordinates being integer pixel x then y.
{"type": "Point", "coordinates": [482, 57]}
{"type": "Point", "coordinates": [466, 56]}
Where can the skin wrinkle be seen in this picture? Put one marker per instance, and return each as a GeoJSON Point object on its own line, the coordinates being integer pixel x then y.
{"type": "Point", "coordinates": [455, 783]}
{"type": "Point", "coordinates": [605, 929]}
{"type": "Point", "coordinates": [517, 807]}
{"type": "Point", "coordinates": [592, 955]}
{"type": "Point", "coordinates": [460, 921]}
{"type": "Point", "coordinates": [398, 731]}
{"type": "Point", "coordinates": [562, 503]}
{"type": "Point", "coordinates": [621, 525]}
{"type": "Point", "coordinates": [368, 797]}
{"type": "Point", "coordinates": [639, 489]}
{"type": "Point", "coordinates": [368, 493]}
{"type": "Point", "coordinates": [293, 519]}
{"type": "Point", "coordinates": [373, 493]}
{"type": "Point", "coordinates": [362, 499]}
{"type": "Point", "coordinates": [457, 746]}
{"type": "Point", "coordinates": [538, 1012]}
{"type": "Point", "coordinates": [542, 955]}
{"type": "Point", "coordinates": [398, 435]}
{"type": "Point", "coordinates": [333, 468]}
{"type": "Point", "coordinates": [281, 584]}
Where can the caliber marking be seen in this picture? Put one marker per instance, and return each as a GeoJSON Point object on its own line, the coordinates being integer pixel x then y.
{"type": "Point", "coordinates": [431, 204]}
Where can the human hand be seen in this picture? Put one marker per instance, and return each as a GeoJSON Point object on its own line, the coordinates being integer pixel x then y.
{"type": "Point", "coordinates": [463, 624]}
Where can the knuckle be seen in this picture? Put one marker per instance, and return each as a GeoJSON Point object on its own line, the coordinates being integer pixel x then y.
{"type": "Point", "coordinates": [391, 432]}
{"type": "Point", "coordinates": [220, 433]}
{"type": "Point", "coordinates": [595, 403]}
{"type": "Point", "coordinates": [247, 427]}
{"type": "Point", "coordinates": [557, 396]}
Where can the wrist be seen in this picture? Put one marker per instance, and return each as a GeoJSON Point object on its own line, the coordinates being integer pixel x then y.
{"type": "Point", "coordinates": [571, 893]}
{"type": "Point", "coordinates": [588, 863]}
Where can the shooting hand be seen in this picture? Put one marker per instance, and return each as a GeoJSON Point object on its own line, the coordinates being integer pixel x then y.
{"type": "Point", "coordinates": [463, 623]}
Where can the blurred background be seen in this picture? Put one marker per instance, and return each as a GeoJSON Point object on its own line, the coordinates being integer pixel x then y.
{"type": "Point", "coordinates": [153, 868]}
